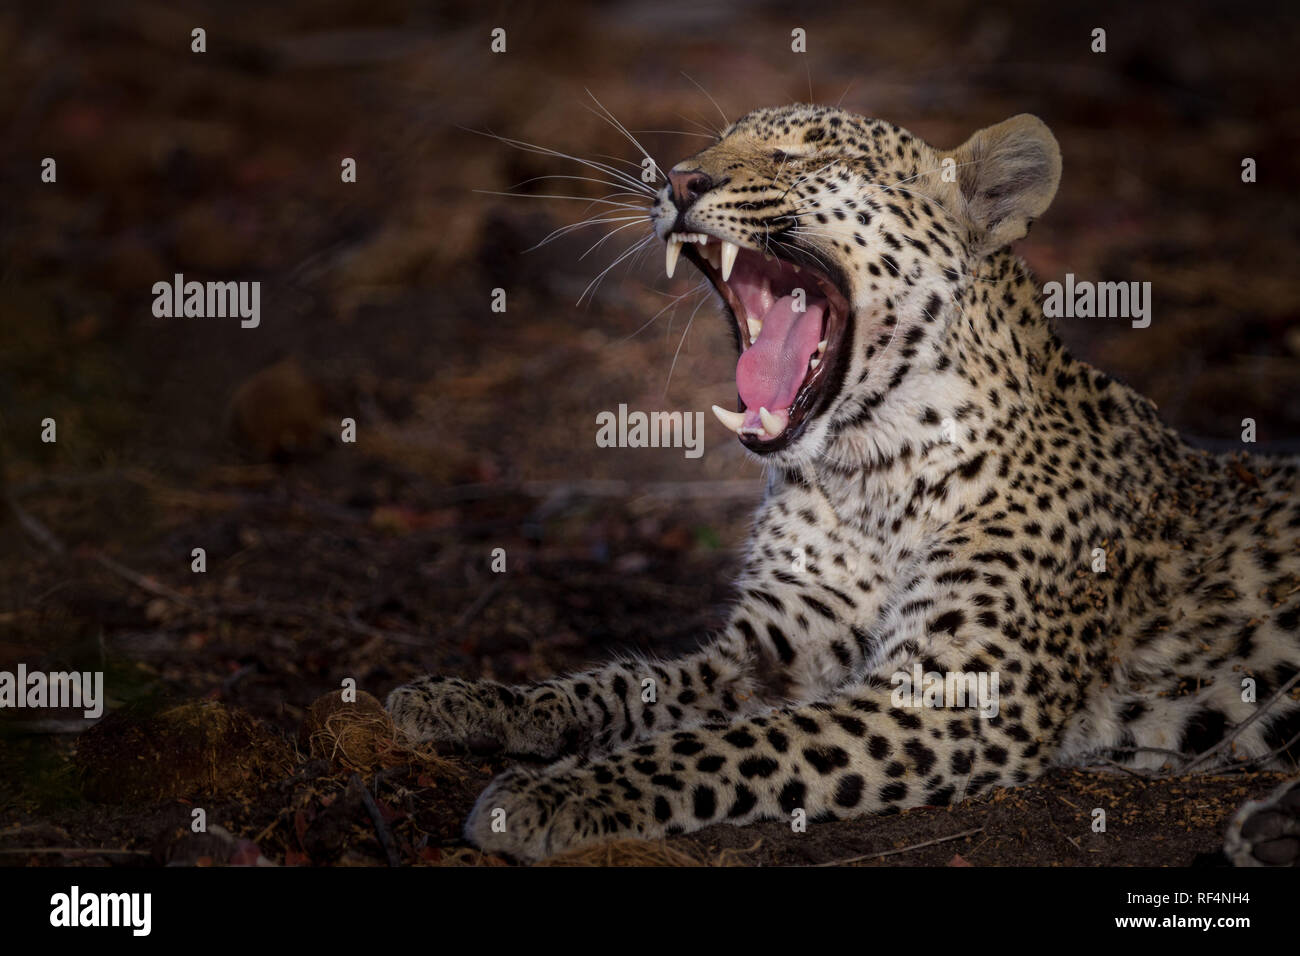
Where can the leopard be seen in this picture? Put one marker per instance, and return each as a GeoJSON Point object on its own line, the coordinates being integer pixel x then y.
{"type": "Point", "coordinates": [948, 491]}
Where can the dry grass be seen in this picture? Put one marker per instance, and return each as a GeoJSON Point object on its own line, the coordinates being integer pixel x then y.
{"type": "Point", "coordinates": [359, 736]}
{"type": "Point", "coordinates": [624, 853]}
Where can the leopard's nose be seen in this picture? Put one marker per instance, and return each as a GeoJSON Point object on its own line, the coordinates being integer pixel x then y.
{"type": "Point", "coordinates": [688, 185]}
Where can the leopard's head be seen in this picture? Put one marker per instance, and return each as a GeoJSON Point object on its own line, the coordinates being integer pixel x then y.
{"type": "Point", "coordinates": [840, 245]}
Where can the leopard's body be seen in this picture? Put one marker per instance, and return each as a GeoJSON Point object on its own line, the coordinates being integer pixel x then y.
{"type": "Point", "coordinates": [949, 503]}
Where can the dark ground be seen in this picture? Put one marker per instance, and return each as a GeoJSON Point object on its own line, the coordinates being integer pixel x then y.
{"type": "Point", "coordinates": [475, 430]}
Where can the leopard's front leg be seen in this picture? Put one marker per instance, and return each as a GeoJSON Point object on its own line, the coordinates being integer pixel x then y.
{"type": "Point", "coordinates": [854, 755]}
{"type": "Point", "coordinates": [770, 651]}
{"type": "Point", "coordinates": [593, 710]}
{"type": "Point", "coordinates": [785, 641]}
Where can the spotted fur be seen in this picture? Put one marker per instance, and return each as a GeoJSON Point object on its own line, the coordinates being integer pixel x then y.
{"type": "Point", "coordinates": [944, 506]}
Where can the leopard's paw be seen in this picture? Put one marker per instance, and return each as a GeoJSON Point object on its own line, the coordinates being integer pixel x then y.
{"type": "Point", "coordinates": [484, 717]}
{"type": "Point", "coordinates": [528, 815]}
{"type": "Point", "coordinates": [1267, 832]}
{"type": "Point", "coordinates": [452, 714]}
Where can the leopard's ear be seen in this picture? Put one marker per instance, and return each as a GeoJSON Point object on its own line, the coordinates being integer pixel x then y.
{"type": "Point", "coordinates": [1006, 176]}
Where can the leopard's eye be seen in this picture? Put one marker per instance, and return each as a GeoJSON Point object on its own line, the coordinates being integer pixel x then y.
{"type": "Point", "coordinates": [795, 155]}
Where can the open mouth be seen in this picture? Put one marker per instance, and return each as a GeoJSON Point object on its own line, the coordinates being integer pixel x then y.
{"type": "Point", "coordinates": [791, 318]}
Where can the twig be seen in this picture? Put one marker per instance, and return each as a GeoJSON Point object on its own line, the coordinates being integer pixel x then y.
{"type": "Point", "coordinates": [1222, 744]}
{"type": "Point", "coordinates": [906, 849]}
{"type": "Point", "coordinates": [1176, 754]}
{"type": "Point", "coordinates": [482, 601]}
{"type": "Point", "coordinates": [1254, 761]}
{"type": "Point", "coordinates": [47, 539]}
{"type": "Point", "coordinates": [1140, 774]}
{"type": "Point", "coordinates": [52, 725]}
{"type": "Point", "coordinates": [377, 818]}
{"type": "Point", "coordinates": [50, 541]}
{"type": "Point", "coordinates": [144, 583]}
{"type": "Point", "coordinates": [279, 818]}
{"type": "Point", "coordinates": [351, 623]}
{"type": "Point", "coordinates": [74, 850]}
{"type": "Point", "coordinates": [43, 535]}
{"type": "Point", "coordinates": [42, 482]}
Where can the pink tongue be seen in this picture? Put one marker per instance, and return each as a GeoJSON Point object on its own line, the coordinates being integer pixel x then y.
{"type": "Point", "coordinates": [771, 370]}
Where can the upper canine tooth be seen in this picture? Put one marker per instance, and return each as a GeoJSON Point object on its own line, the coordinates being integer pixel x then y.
{"type": "Point", "coordinates": [821, 346]}
{"type": "Point", "coordinates": [673, 250]}
{"type": "Point", "coordinates": [729, 251]}
{"type": "Point", "coordinates": [755, 328]}
{"type": "Point", "coordinates": [732, 420]}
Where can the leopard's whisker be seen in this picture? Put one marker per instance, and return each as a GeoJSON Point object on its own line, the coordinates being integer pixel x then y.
{"type": "Point", "coordinates": [586, 199]}
{"type": "Point", "coordinates": [710, 132]}
{"type": "Point", "coordinates": [523, 146]}
{"type": "Point", "coordinates": [635, 221]}
{"type": "Point", "coordinates": [595, 283]}
{"type": "Point", "coordinates": [623, 190]}
{"type": "Point", "coordinates": [609, 117]}
{"type": "Point", "coordinates": [682, 342]}
{"type": "Point", "coordinates": [725, 122]}
{"type": "Point", "coordinates": [701, 286]}
{"type": "Point", "coordinates": [565, 230]}
{"type": "Point", "coordinates": [679, 132]}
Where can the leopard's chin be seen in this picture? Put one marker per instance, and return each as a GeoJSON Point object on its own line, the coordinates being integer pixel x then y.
{"type": "Point", "coordinates": [791, 317]}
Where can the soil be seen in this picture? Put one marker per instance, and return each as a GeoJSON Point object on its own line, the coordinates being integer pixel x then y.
{"type": "Point", "coordinates": [326, 561]}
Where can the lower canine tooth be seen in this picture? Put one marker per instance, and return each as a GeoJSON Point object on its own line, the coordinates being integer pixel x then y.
{"type": "Point", "coordinates": [813, 363]}
{"type": "Point", "coordinates": [731, 420]}
{"type": "Point", "coordinates": [673, 250]}
{"type": "Point", "coordinates": [729, 251]}
{"type": "Point", "coordinates": [755, 329]}
{"type": "Point", "coordinates": [771, 424]}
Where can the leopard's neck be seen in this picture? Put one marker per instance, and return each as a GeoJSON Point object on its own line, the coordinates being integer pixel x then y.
{"type": "Point", "coordinates": [1001, 401]}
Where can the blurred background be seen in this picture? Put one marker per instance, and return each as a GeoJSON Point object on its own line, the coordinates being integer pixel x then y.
{"type": "Point", "coordinates": [475, 429]}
